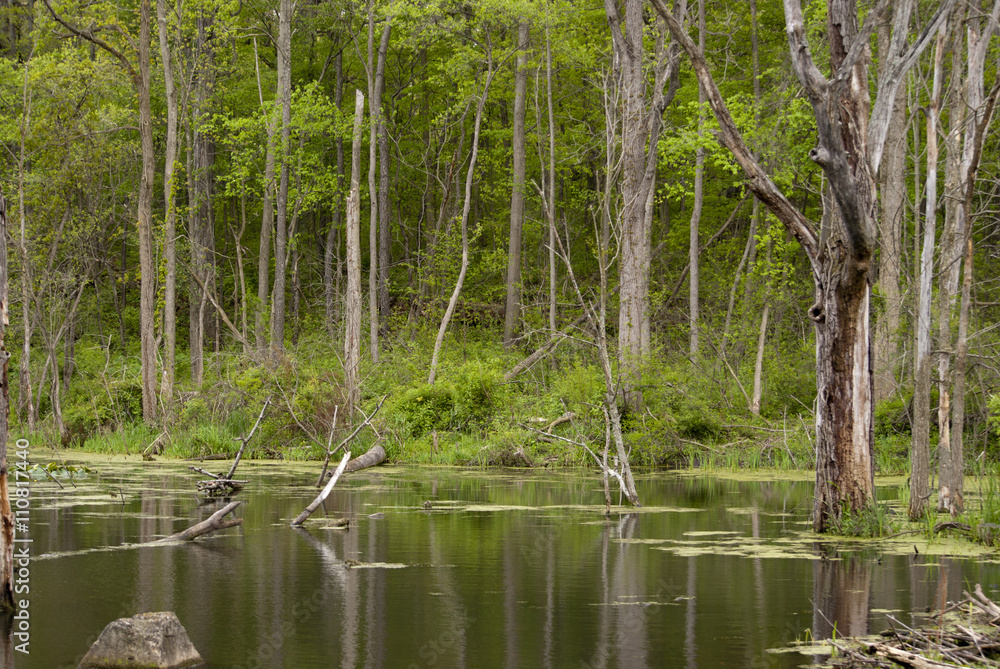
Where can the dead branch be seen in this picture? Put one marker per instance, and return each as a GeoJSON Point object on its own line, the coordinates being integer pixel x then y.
{"type": "Point", "coordinates": [211, 524]}
{"type": "Point", "coordinates": [245, 440]}
{"type": "Point", "coordinates": [351, 436]}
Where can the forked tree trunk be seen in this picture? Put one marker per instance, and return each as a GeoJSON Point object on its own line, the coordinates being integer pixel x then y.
{"type": "Point", "coordinates": [352, 307]}
{"type": "Point", "coordinates": [641, 125]}
{"type": "Point", "coordinates": [841, 253]}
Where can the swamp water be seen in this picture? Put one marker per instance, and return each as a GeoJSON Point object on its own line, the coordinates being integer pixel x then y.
{"type": "Point", "coordinates": [507, 568]}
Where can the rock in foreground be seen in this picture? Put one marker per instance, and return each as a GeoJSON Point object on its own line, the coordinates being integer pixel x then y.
{"type": "Point", "coordinates": [145, 641]}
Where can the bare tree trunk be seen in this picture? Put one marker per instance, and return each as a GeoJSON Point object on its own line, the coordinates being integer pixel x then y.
{"type": "Point", "coordinates": [147, 292]}
{"type": "Point", "coordinates": [376, 84]}
{"type": "Point", "coordinates": [512, 310]}
{"type": "Point", "coordinates": [758, 369]}
{"type": "Point", "coordinates": [284, 98]}
{"type": "Point", "coordinates": [977, 112]}
{"type": "Point", "coordinates": [551, 204]}
{"type": "Point", "coordinates": [170, 215]}
{"type": "Point", "coordinates": [332, 238]}
{"type": "Point", "coordinates": [352, 308]}
{"type": "Point", "coordinates": [840, 253]}
{"type": "Point", "coordinates": [893, 203]}
{"type": "Point", "coordinates": [640, 129]}
{"type": "Point", "coordinates": [951, 495]}
{"type": "Point", "coordinates": [200, 232]}
{"type": "Point", "coordinates": [266, 227]}
{"type": "Point", "coordinates": [385, 237]}
{"type": "Point", "coordinates": [6, 514]}
{"type": "Point", "coordinates": [699, 199]}
{"type": "Point", "coordinates": [466, 207]}
{"type": "Point", "coordinates": [920, 448]}
{"type": "Point", "coordinates": [24, 368]}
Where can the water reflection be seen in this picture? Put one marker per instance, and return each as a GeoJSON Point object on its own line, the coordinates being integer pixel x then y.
{"type": "Point", "coordinates": [512, 569]}
{"type": "Point", "coordinates": [841, 594]}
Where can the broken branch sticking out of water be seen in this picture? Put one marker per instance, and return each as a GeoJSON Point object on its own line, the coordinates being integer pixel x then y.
{"type": "Point", "coordinates": [211, 524]}
{"type": "Point", "coordinates": [224, 484]}
{"type": "Point", "coordinates": [346, 441]}
{"type": "Point", "coordinates": [302, 517]}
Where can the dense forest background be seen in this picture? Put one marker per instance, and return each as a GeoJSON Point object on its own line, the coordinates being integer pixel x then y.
{"type": "Point", "coordinates": [162, 290]}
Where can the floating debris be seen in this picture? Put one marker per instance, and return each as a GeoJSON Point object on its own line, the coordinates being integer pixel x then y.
{"type": "Point", "coordinates": [967, 634]}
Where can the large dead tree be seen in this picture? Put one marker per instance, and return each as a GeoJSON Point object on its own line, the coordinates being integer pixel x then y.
{"type": "Point", "coordinates": [851, 132]}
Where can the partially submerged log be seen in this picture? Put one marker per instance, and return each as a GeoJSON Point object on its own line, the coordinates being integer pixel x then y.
{"type": "Point", "coordinates": [210, 524]}
{"type": "Point", "coordinates": [302, 517]}
{"type": "Point", "coordinates": [373, 456]}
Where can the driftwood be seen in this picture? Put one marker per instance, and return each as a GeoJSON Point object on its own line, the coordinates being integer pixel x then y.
{"type": "Point", "coordinates": [302, 517]}
{"type": "Point", "coordinates": [210, 524]}
{"type": "Point", "coordinates": [952, 642]}
{"type": "Point", "coordinates": [350, 437]}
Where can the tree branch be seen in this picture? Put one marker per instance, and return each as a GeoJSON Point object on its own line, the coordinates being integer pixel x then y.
{"type": "Point", "coordinates": [757, 179]}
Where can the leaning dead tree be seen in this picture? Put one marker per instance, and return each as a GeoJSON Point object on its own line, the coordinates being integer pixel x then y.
{"type": "Point", "coordinates": [851, 132]}
{"type": "Point", "coordinates": [225, 484]}
{"type": "Point", "coordinates": [320, 498]}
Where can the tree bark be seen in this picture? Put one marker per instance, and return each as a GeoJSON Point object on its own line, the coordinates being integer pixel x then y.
{"type": "Point", "coordinates": [849, 151]}
{"type": "Point", "coordinates": [200, 225]}
{"type": "Point", "coordinates": [352, 307]}
{"type": "Point", "coordinates": [699, 199]}
{"type": "Point", "coordinates": [893, 192]}
{"type": "Point", "coordinates": [976, 114]}
{"type": "Point", "coordinates": [170, 211]}
{"type": "Point", "coordinates": [640, 129]}
{"type": "Point", "coordinates": [6, 514]}
{"type": "Point", "coordinates": [384, 232]}
{"type": "Point", "coordinates": [27, 407]}
{"type": "Point", "coordinates": [332, 236]}
{"type": "Point", "coordinates": [376, 84]}
{"type": "Point", "coordinates": [284, 98]}
{"type": "Point", "coordinates": [261, 328]}
{"type": "Point", "coordinates": [147, 292]}
{"type": "Point", "coordinates": [512, 309]}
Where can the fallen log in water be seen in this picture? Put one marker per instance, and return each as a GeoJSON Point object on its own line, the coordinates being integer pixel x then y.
{"type": "Point", "coordinates": [373, 456]}
{"type": "Point", "coordinates": [210, 524]}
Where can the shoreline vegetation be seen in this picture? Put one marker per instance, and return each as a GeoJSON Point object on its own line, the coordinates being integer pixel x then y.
{"type": "Point", "coordinates": [692, 418]}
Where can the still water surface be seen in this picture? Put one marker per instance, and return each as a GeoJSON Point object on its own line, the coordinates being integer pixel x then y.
{"type": "Point", "coordinates": [505, 569]}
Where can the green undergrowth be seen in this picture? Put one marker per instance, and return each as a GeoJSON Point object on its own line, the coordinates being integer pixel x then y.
{"type": "Point", "coordinates": [694, 411]}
